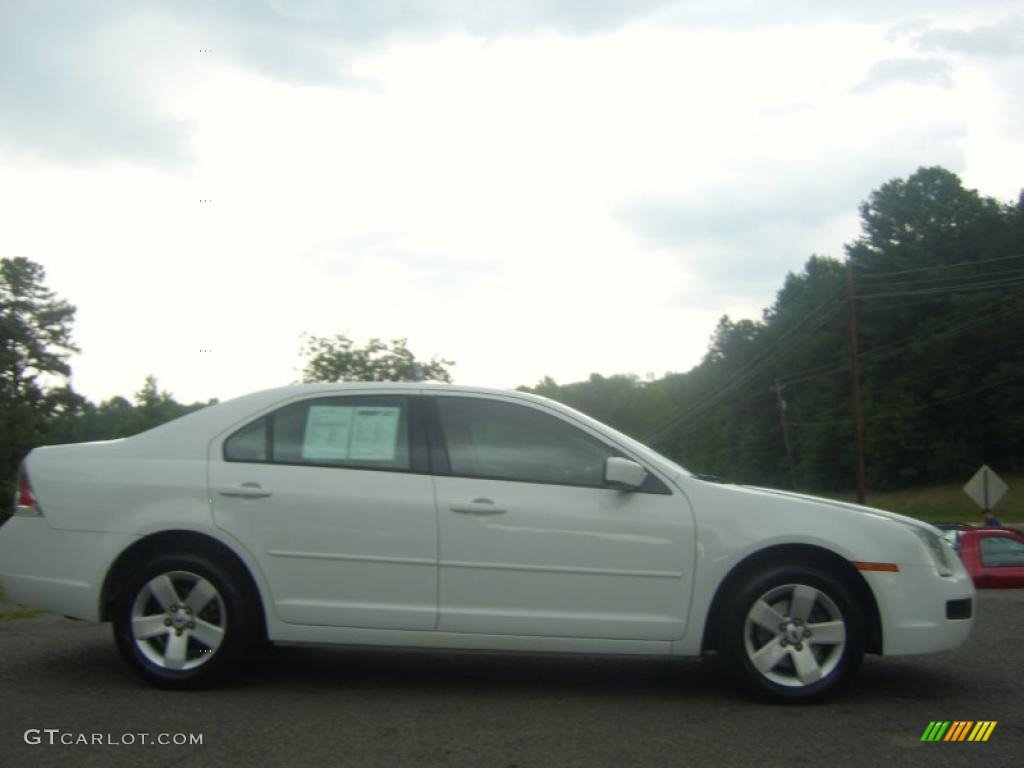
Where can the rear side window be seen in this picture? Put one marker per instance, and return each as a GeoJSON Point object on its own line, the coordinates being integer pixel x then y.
{"type": "Point", "coordinates": [249, 443]}
{"type": "Point", "coordinates": [365, 431]}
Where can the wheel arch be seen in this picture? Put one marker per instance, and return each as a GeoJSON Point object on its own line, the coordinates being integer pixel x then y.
{"type": "Point", "coordinates": [184, 541]}
{"type": "Point", "coordinates": [797, 554]}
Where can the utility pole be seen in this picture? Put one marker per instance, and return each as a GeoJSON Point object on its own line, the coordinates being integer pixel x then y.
{"type": "Point", "coordinates": [777, 389]}
{"type": "Point", "coordinates": [858, 417]}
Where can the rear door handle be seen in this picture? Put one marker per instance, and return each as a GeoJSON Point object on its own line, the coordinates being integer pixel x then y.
{"type": "Point", "coordinates": [245, 491]}
{"type": "Point", "coordinates": [476, 507]}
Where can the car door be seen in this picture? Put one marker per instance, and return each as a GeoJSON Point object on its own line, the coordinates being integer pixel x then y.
{"type": "Point", "coordinates": [1002, 560]}
{"type": "Point", "coordinates": [532, 540]}
{"type": "Point", "coordinates": [332, 497]}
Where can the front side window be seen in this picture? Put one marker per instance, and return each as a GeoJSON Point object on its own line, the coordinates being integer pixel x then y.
{"type": "Point", "coordinates": [357, 431]}
{"type": "Point", "coordinates": [1001, 551]}
{"type": "Point", "coordinates": [492, 439]}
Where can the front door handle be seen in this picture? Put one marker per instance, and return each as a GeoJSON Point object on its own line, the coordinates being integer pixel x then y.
{"type": "Point", "coordinates": [245, 491]}
{"type": "Point", "coordinates": [476, 507]}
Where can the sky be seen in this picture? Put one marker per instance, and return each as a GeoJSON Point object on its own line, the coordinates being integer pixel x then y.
{"type": "Point", "coordinates": [535, 188]}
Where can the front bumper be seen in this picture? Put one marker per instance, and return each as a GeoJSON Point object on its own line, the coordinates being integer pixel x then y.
{"type": "Point", "coordinates": [915, 606]}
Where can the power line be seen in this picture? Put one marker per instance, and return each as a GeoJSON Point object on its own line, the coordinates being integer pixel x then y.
{"type": "Point", "coordinates": [940, 332]}
{"type": "Point", "coordinates": [820, 372]}
{"type": "Point", "coordinates": [762, 441]}
{"type": "Point", "coordinates": [937, 288]}
{"type": "Point", "coordinates": [962, 288]}
{"type": "Point", "coordinates": [923, 301]}
{"type": "Point", "coordinates": [937, 282]}
{"type": "Point", "coordinates": [820, 423]}
{"type": "Point", "coordinates": [935, 335]}
{"type": "Point", "coordinates": [943, 330]}
{"type": "Point", "coordinates": [932, 372]}
{"type": "Point", "coordinates": [969, 392]}
{"type": "Point", "coordinates": [744, 374]}
{"type": "Point", "coordinates": [875, 275]}
{"type": "Point", "coordinates": [918, 408]}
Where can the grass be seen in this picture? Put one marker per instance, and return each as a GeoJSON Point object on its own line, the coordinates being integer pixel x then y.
{"type": "Point", "coordinates": [946, 503]}
{"type": "Point", "coordinates": [9, 612]}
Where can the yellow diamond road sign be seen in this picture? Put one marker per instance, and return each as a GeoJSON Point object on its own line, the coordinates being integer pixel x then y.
{"type": "Point", "coordinates": [986, 488]}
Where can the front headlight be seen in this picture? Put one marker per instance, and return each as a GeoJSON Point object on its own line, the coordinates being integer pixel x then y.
{"type": "Point", "coordinates": [938, 549]}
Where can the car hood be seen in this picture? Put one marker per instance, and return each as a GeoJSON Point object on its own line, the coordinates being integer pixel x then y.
{"type": "Point", "coordinates": [847, 507]}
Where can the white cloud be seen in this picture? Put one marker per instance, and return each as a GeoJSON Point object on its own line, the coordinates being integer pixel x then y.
{"type": "Point", "coordinates": [999, 40]}
{"type": "Point", "coordinates": [531, 203]}
{"type": "Point", "coordinates": [908, 70]}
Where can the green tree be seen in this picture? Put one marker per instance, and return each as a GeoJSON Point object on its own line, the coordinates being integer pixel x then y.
{"type": "Point", "coordinates": [35, 342]}
{"type": "Point", "coordinates": [936, 271]}
{"type": "Point", "coordinates": [338, 358]}
{"type": "Point", "coordinates": [732, 424]}
{"type": "Point", "coordinates": [153, 407]}
{"type": "Point", "coordinates": [807, 329]}
{"type": "Point", "coordinates": [927, 219]}
{"type": "Point", "coordinates": [939, 273]}
{"type": "Point", "coordinates": [116, 417]}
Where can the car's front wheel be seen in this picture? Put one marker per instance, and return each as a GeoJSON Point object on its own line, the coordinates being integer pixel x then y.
{"type": "Point", "coordinates": [792, 633]}
{"type": "Point", "coordinates": [183, 621]}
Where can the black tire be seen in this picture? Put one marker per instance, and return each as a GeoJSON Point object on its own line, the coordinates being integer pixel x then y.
{"type": "Point", "coordinates": [205, 638]}
{"type": "Point", "coordinates": [787, 619]}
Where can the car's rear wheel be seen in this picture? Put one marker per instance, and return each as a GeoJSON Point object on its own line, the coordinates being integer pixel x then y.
{"type": "Point", "coordinates": [791, 634]}
{"type": "Point", "coordinates": [184, 621]}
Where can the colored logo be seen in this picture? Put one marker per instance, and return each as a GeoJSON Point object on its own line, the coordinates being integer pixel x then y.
{"type": "Point", "coordinates": [959, 730]}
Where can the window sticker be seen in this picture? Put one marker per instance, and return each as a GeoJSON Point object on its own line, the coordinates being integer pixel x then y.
{"type": "Point", "coordinates": [328, 432]}
{"type": "Point", "coordinates": [374, 433]}
{"type": "Point", "coordinates": [341, 432]}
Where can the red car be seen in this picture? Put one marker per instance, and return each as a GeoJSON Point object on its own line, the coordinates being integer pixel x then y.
{"type": "Point", "coordinates": [994, 557]}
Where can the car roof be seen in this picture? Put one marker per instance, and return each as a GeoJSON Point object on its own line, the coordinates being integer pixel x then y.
{"type": "Point", "coordinates": [277, 393]}
{"type": "Point", "coordinates": [187, 432]}
{"type": "Point", "coordinates": [433, 386]}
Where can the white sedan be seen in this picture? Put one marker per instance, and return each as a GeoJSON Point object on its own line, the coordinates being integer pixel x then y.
{"type": "Point", "coordinates": [434, 516]}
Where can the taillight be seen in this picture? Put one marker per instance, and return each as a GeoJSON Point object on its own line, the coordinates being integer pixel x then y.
{"type": "Point", "coordinates": [25, 504]}
{"type": "Point", "coordinates": [25, 497]}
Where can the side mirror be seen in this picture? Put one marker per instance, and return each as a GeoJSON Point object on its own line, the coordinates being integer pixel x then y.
{"type": "Point", "coordinates": [625, 473]}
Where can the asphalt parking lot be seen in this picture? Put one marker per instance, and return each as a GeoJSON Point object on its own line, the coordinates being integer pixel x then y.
{"type": "Point", "coordinates": [301, 706]}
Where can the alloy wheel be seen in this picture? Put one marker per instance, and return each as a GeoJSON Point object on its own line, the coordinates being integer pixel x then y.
{"type": "Point", "coordinates": [794, 635]}
{"type": "Point", "coordinates": [178, 620]}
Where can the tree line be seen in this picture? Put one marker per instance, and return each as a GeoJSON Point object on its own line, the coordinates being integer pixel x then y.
{"type": "Point", "coordinates": [935, 282]}
{"type": "Point", "coordinates": [938, 296]}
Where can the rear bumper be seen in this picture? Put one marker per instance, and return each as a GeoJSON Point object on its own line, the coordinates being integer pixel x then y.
{"type": "Point", "coordinates": [916, 606]}
{"type": "Point", "coordinates": [56, 570]}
